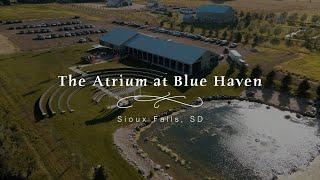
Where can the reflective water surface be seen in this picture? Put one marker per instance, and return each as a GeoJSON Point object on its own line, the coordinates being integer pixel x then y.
{"type": "Point", "coordinates": [235, 141]}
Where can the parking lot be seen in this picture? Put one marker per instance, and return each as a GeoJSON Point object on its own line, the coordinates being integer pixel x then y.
{"type": "Point", "coordinates": [33, 35]}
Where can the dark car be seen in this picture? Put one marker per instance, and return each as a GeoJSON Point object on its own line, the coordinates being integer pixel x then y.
{"type": "Point", "coordinates": [54, 35]}
{"type": "Point", "coordinates": [40, 37]}
{"type": "Point", "coordinates": [224, 43]}
{"type": "Point", "coordinates": [67, 34]}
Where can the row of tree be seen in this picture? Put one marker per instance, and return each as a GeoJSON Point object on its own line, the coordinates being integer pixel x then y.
{"type": "Point", "coordinates": [301, 91]}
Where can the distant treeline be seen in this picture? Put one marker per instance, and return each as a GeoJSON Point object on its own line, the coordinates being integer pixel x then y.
{"type": "Point", "coordinates": [7, 2]}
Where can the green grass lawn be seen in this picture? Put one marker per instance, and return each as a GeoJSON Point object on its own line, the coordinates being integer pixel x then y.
{"type": "Point", "coordinates": [67, 136]}
{"type": "Point", "coordinates": [29, 11]}
{"type": "Point", "coordinates": [304, 66]}
{"type": "Point", "coordinates": [268, 58]}
{"type": "Point", "coordinates": [53, 10]}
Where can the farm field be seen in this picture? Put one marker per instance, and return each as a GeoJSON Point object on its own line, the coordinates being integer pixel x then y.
{"type": "Point", "coordinates": [269, 58]}
{"type": "Point", "coordinates": [253, 5]}
{"type": "Point", "coordinates": [40, 11]}
{"type": "Point", "coordinates": [306, 66]}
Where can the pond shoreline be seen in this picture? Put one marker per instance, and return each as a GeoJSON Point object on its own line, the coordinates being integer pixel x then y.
{"type": "Point", "coordinates": [130, 150]}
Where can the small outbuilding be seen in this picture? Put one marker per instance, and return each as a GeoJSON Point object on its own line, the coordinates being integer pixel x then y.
{"type": "Point", "coordinates": [119, 3]}
{"type": "Point", "coordinates": [188, 18]}
{"type": "Point", "coordinates": [215, 14]}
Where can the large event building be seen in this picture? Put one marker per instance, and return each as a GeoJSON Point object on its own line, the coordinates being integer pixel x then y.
{"type": "Point", "coordinates": [167, 54]}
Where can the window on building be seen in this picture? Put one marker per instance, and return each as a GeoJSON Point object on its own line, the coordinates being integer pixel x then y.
{"type": "Point", "coordinates": [139, 54]}
{"type": "Point", "coordinates": [155, 59]}
{"type": "Point", "coordinates": [144, 56]}
{"type": "Point", "coordinates": [149, 57]}
{"type": "Point", "coordinates": [166, 62]}
{"type": "Point", "coordinates": [180, 66]}
{"type": "Point", "coordinates": [173, 64]}
{"type": "Point", "coordinates": [160, 60]}
{"type": "Point", "coordinates": [186, 69]}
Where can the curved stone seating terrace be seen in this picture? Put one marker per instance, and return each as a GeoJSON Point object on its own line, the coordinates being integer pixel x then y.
{"type": "Point", "coordinates": [53, 98]}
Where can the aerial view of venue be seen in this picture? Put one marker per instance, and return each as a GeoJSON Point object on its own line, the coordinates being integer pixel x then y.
{"type": "Point", "coordinates": [160, 89]}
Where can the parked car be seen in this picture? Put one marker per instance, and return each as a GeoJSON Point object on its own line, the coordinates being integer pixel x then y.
{"type": "Point", "coordinates": [82, 40]}
{"type": "Point", "coordinates": [40, 37]}
{"type": "Point", "coordinates": [224, 43]}
{"type": "Point", "coordinates": [221, 57]}
{"type": "Point", "coordinates": [233, 45]}
{"type": "Point", "coordinates": [67, 34]}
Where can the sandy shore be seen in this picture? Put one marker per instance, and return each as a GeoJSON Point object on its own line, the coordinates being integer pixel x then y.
{"type": "Point", "coordinates": [312, 172]}
{"type": "Point", "coordinates": [125, 140]}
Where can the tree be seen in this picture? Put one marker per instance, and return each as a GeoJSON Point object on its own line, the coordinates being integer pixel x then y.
{"type": "Point", "coordinates": [217, 33]}
{"type": "Point", "coordinates": [315, 18]}
{"type": "Point", "coordinates": [283, 17]}
{"type": "Point", "coordinates": [238, 37]}
{"type": "Point", "coordinates": [241, 14]}
{"type": "Point", "coordinates": [230, 70]}
{"type": "Point", "coordinates": [98, 173]}
{"type": "Point", "coordinates": [192, 29]}
{"type": "Point", "coordinates": [210, 33]}
{"type": "Point", "coordinates": [269, 79]}
{"type": "Point", "coordinates": [318, 92]}
{"type": "Point", "coordinates": [242, 72]}
{"type": "Point", "coordinates": [225, 34]}
{"type": "Point", "coordinates": [182, 27]}
{"type": "Point", "coordinates": [256, 41]}
{"type": "Point", "coordinates": [285, 83]}
{"type": "Point", "coordinates": [303, 18]}
{"type": "Point", "coordinates": [277, 31]}
{"type": "Point", "coordinates": [288, 42]}
{"type": "Point", "coordinates": [171, 25]}
{"type": "Point", "coordinates": [247, 19]}
{"type": "Point", "coordinates": [161, 23]}
{"type": "Point", "coordinates": [256, 72]}
{"type": "Point", "coordinates": [203, 33]}
{"type": "Point", "coordinates": [246, 38]}
{"type": "Point", "coordinates": [303, 88]}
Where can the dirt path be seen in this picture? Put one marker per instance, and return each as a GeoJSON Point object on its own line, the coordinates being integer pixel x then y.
{"type": "Point", "coordinates": [125, 141]}
{"type": "Point", "coordinates": [6, 46]}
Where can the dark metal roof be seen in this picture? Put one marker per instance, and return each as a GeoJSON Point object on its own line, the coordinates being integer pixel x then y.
{"type": "Point", "coordinates": [184, 53]}
{"type": "Point", "coordinates": [169, 49]}
{"type": "Point", "coordinates": [214, 9]}
{"type": "Point", "coordinates": [118, 36]}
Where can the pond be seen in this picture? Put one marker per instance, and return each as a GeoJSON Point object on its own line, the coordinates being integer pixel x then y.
{"type": "Point", "coordinates": [236, 140]}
